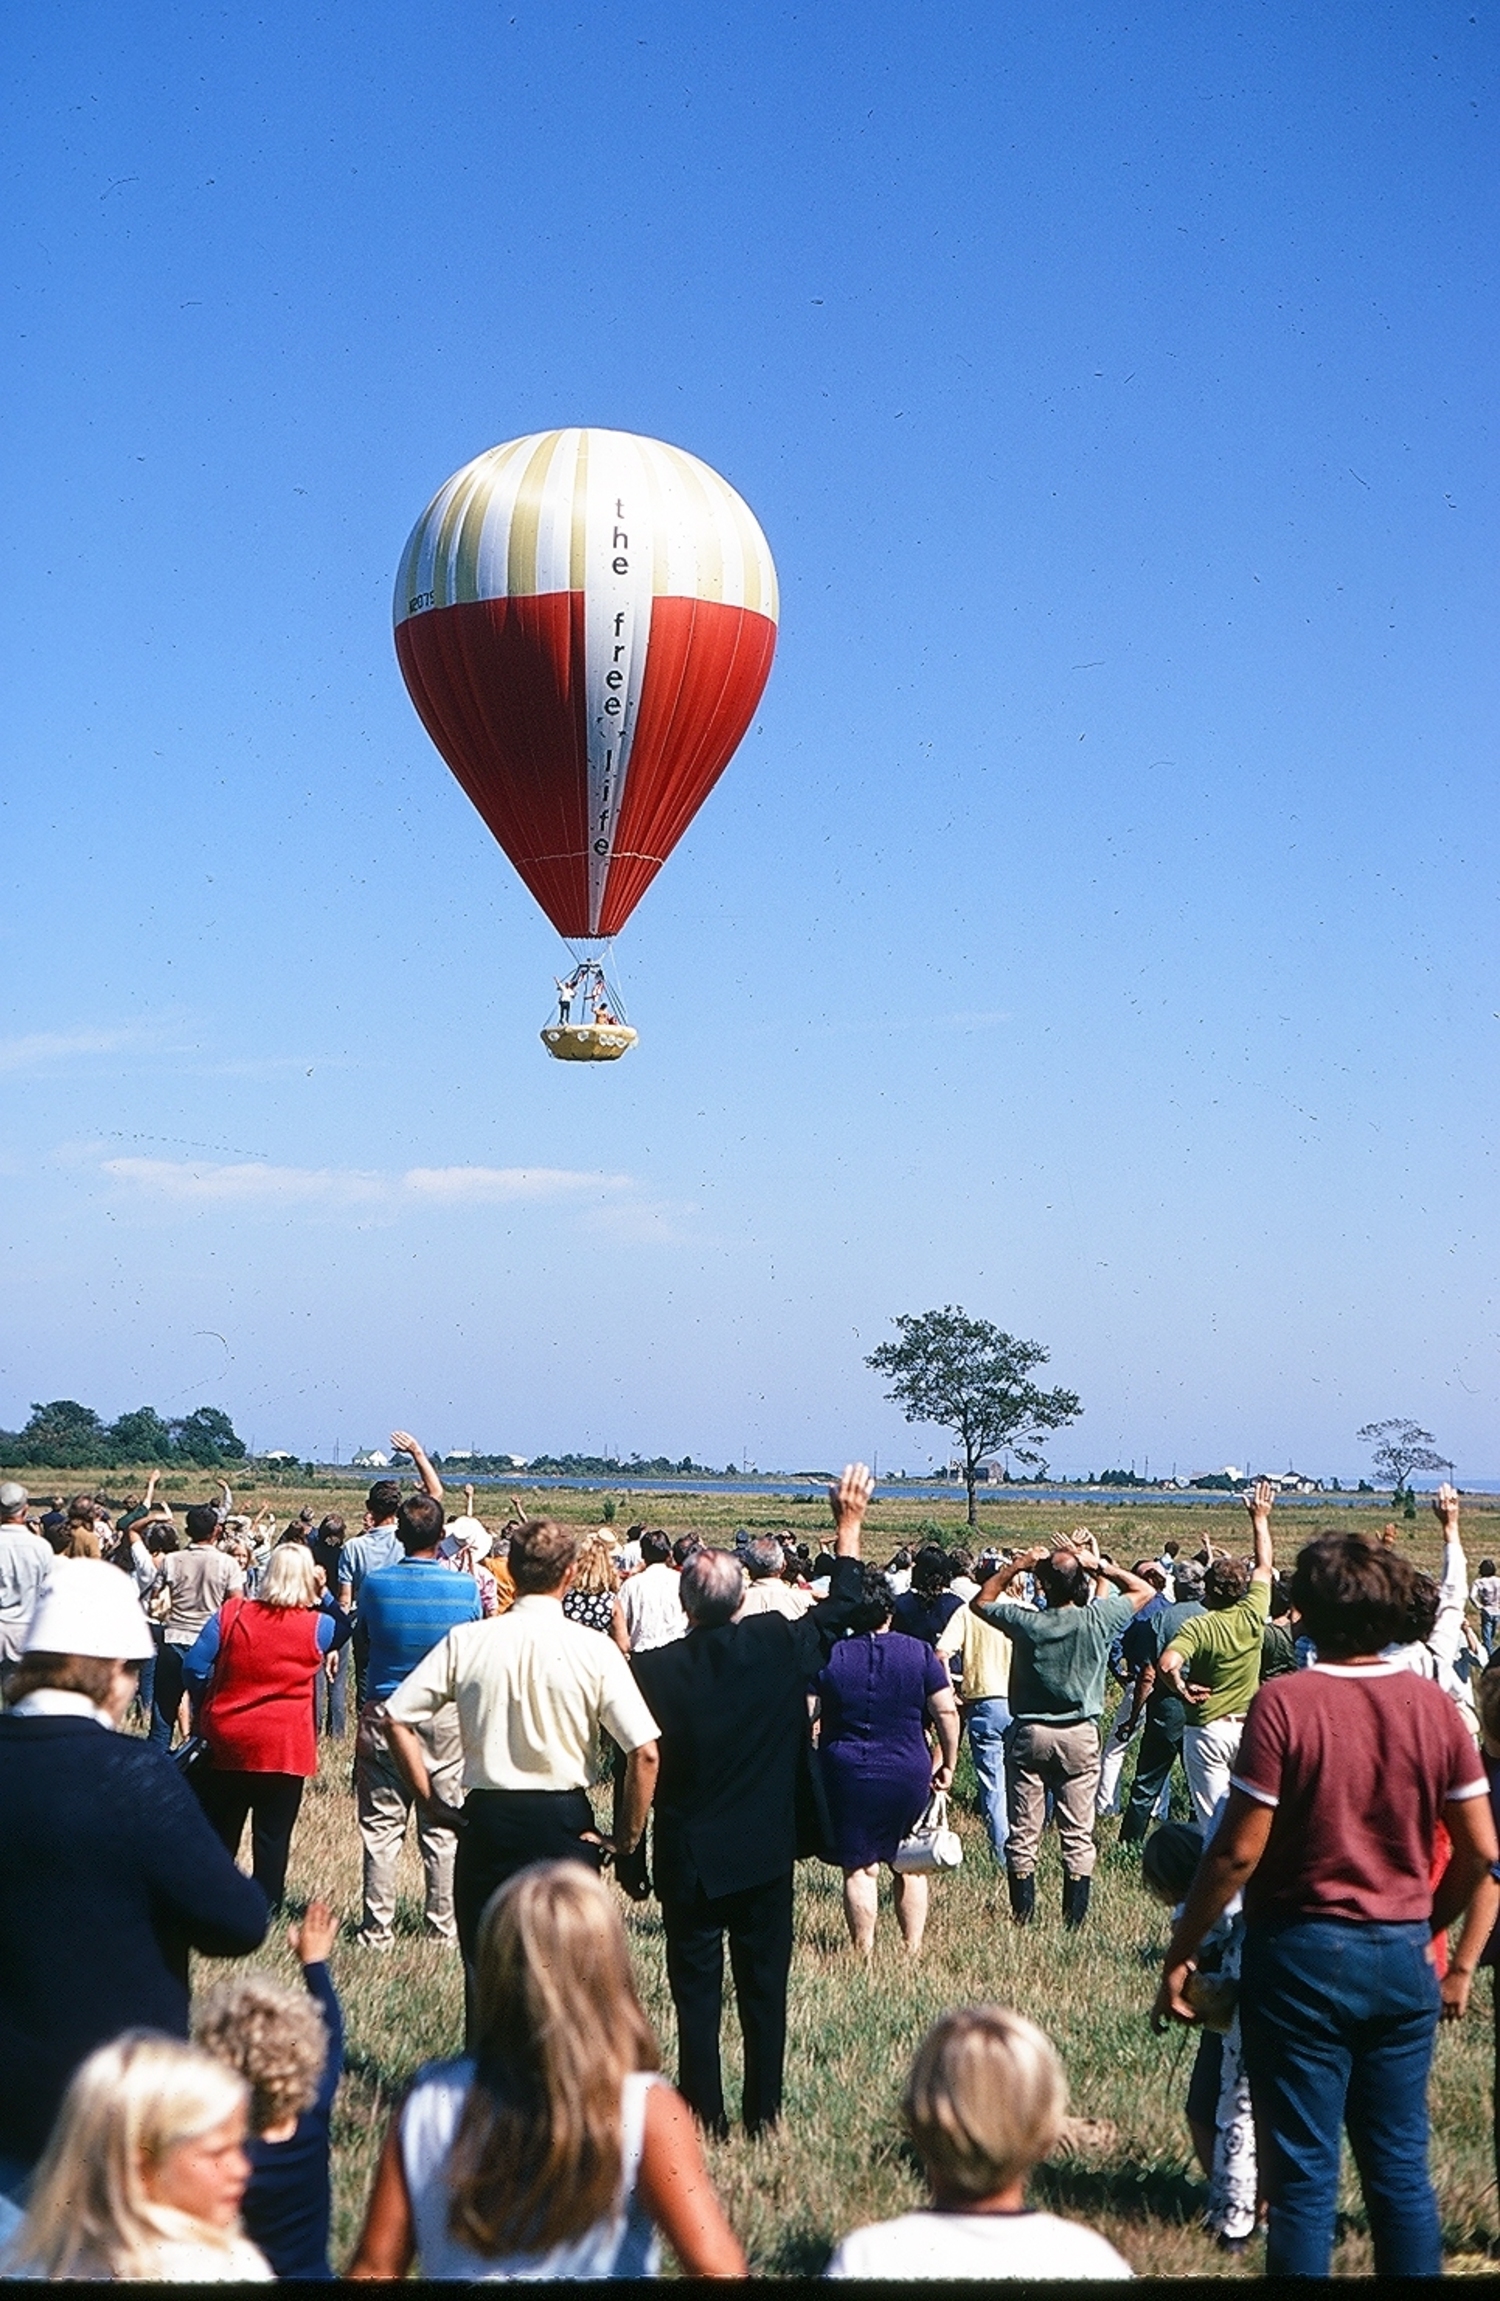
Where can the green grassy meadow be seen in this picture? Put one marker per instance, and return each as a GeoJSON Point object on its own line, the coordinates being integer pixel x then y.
{"type": "Point", "coordinates": [839, 2160]}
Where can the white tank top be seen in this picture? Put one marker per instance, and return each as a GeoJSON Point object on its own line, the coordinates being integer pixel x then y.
{"type": "Point", "coordinates": [622, 2244]}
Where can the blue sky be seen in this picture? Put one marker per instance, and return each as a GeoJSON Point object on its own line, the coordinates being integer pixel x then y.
{"type": "Point", "coordinates": [1096, 928]}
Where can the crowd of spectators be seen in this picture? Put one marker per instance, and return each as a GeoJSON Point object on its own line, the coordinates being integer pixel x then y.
{"type": "Point", "coordinates": [1333, 1893]}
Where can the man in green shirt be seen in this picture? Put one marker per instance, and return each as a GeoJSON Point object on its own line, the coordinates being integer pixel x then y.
{"type": "Point", "coordinates": [1214, 1660]}
{"type": "Point", "coordinates": [1059, 1662]}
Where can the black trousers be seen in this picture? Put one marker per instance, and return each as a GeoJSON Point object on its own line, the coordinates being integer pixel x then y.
{"type": "Point", "coordinates": [1161, 1746]}
{"type": "Point", "coordinates": [505, 1831]}
{"type": "Point", "coordinates": [758, 1921]}
{"type": "Point", "coordinates": [271, 1803]}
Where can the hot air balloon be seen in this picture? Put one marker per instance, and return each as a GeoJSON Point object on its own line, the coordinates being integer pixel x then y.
{"type": "Point", "coordinates": [585, 622]}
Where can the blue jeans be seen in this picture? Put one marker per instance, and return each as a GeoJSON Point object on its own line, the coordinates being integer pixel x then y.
{"type": "Point", "coordinates": [331, 1699]}
{"type": "Point", "coordinates": [1338, 2022]}
{"type": "Point", "coordinates": [988, 1722]}
{"type": "Point", "coordinates": [166, 1694]}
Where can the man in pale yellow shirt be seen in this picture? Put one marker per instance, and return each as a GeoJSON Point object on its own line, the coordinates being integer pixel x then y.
{"type": "Point", "coordinates": [532, 1691]}
{"type": "Point", "coordinates": [984, 1693]}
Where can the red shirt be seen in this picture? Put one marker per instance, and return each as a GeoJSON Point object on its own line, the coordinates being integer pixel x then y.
{"type": "Point", "coordinates": [257, 1716]}
{"type": "Point", "coordinates": [1359, 1764]}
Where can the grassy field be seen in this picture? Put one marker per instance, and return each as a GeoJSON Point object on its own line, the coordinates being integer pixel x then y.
{"type": "Point", "coordinates": [839, 2160]}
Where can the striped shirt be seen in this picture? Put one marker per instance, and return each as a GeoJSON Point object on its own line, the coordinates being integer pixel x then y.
{"type": "Point", "coordinates": [407, 1609]}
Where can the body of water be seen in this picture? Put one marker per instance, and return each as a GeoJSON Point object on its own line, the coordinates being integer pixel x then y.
{"type": "Point", "coordinates": [934, 1492]}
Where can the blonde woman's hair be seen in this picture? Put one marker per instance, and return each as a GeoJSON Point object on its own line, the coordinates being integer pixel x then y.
{"type": "Point", "coordinates": [275, 2037]}
{"type": "Point", "coordinates": [290, 1577]}
{"type": "Point", "coordinates": [89, 2214]}
{"type": "Point", "coordinates": [595, 1571]}
{"type": "Point", "coordinates": [985, 2100]}
{"type": "Point", "coordinates": [536, 2159]}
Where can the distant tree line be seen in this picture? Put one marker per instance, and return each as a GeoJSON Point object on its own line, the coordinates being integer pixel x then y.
{"type": "Point", "coordinates": [610, 1466]}
{"type": "Point", "coordinates": [66, 1436]}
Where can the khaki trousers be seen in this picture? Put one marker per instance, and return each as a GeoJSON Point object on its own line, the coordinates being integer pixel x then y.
{"type": "Point", "coordinates": [384, 1803]}
{"type": "Point", "coordinates": [1065, 1761]}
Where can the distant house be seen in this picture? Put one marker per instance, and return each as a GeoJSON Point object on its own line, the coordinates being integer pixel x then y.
{"type": "Point", "coordinates": [370, 1458]}
{"type": "Point", "coordinates": [458, 1454]}
{"type": "Point", "coordinates": [1296, 1482]}
{"type": "Point", "coordinates": [991, 1473]}
{"type": "Point", "coordinates": [279, 1454]}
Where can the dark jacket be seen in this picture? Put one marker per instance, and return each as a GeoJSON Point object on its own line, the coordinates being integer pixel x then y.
{"type": "Point", "coordinates": [732, 1707]}
{"type": "Point", "coordinates": [109, 1875]}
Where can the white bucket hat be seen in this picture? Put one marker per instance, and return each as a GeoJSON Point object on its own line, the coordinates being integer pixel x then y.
{"type": "Point", "coordinates": [466, 1533]}
{"type": "Point", "coordinates": [89, 1607]}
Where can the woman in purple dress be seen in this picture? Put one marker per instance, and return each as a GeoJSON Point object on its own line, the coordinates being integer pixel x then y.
{"type": "Point", "coordinates": [876, 1695]}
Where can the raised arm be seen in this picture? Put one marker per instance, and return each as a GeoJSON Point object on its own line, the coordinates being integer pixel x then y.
{"type": "Point", "coordinates": [1132, 1586]}
{"type": "Point", "coordinates": [1003, 1576]}
{"type": "Point", "coordinates": [406, 1444]}
{"type": "Point", "coordinates": [849, 1499]}
{"type": "Point", "coordinates": [1258, 1502]}
{"type": "Point", "coordinates": [1448, 1630]}
{"type": "Point", "coordinates": [814, 1634]}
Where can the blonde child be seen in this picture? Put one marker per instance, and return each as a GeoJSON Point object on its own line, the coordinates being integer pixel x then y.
{"type": "Point", "coordinates": [984, 2104]}
{"type": "Point", "coordinates": [142, 2177]}
{"type": "Point", "coordinates": [288, 2045]}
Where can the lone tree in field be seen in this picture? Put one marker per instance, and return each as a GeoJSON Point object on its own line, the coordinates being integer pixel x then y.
{"type": "Point", "coordinates": [970, 1379]}
{"type": "Point", "coordinates": [1400, 1447]}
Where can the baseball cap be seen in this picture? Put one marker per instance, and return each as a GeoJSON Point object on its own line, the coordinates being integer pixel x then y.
{"type": "Point", "coordinates": [89, 1607]}
{"type": "Point", "coordinates": [12, 1495]}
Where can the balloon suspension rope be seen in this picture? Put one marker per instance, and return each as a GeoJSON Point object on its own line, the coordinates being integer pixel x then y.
{"type": "Point", "coordinates": [592, 962]}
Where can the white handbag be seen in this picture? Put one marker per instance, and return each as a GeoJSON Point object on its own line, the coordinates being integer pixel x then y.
{"type": "Point", "coordinates": [930, 1844]}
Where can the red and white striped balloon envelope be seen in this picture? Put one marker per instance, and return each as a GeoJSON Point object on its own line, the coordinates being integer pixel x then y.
{"type": "Point", "coordinates": [585, 622]}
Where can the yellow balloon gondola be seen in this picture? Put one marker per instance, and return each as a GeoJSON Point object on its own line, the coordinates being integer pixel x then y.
{"type": "Point", "coordinates": [588, 1042]}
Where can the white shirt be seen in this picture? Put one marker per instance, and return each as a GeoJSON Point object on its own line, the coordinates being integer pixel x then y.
{"type": "Point", "coordinates": [653, 1608]}
{"type": "Point", "coordinates": [186, 2261]}
{"type": "Point", "coordinates": [25, 1563]}
{"type": "Point", "coordinates": [53, 1702]}
{"type": "Point", "coordinates": [773, 1596]}
{"type": "Point", "coordinates": [622, 2244]}
{"type": "Point", "coordinates": [955, 2245]}
{"type": "Point", "coordinates": [532, 1690]}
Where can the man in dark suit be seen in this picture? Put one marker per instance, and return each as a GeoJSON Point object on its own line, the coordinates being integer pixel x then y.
{"type": "Point", "coordinates": [731, 1702]}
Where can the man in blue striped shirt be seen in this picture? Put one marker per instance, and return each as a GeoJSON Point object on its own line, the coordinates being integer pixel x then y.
{"type": "Point", "coordinates": [407, 1609]}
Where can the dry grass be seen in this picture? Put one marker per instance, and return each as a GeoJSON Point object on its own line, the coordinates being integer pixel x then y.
{"type": "Point", "coordinates": [839, 2160]}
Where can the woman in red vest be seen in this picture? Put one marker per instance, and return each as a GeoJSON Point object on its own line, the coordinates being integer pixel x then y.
{"type": "Point", "coordinates": [253, 1671]}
